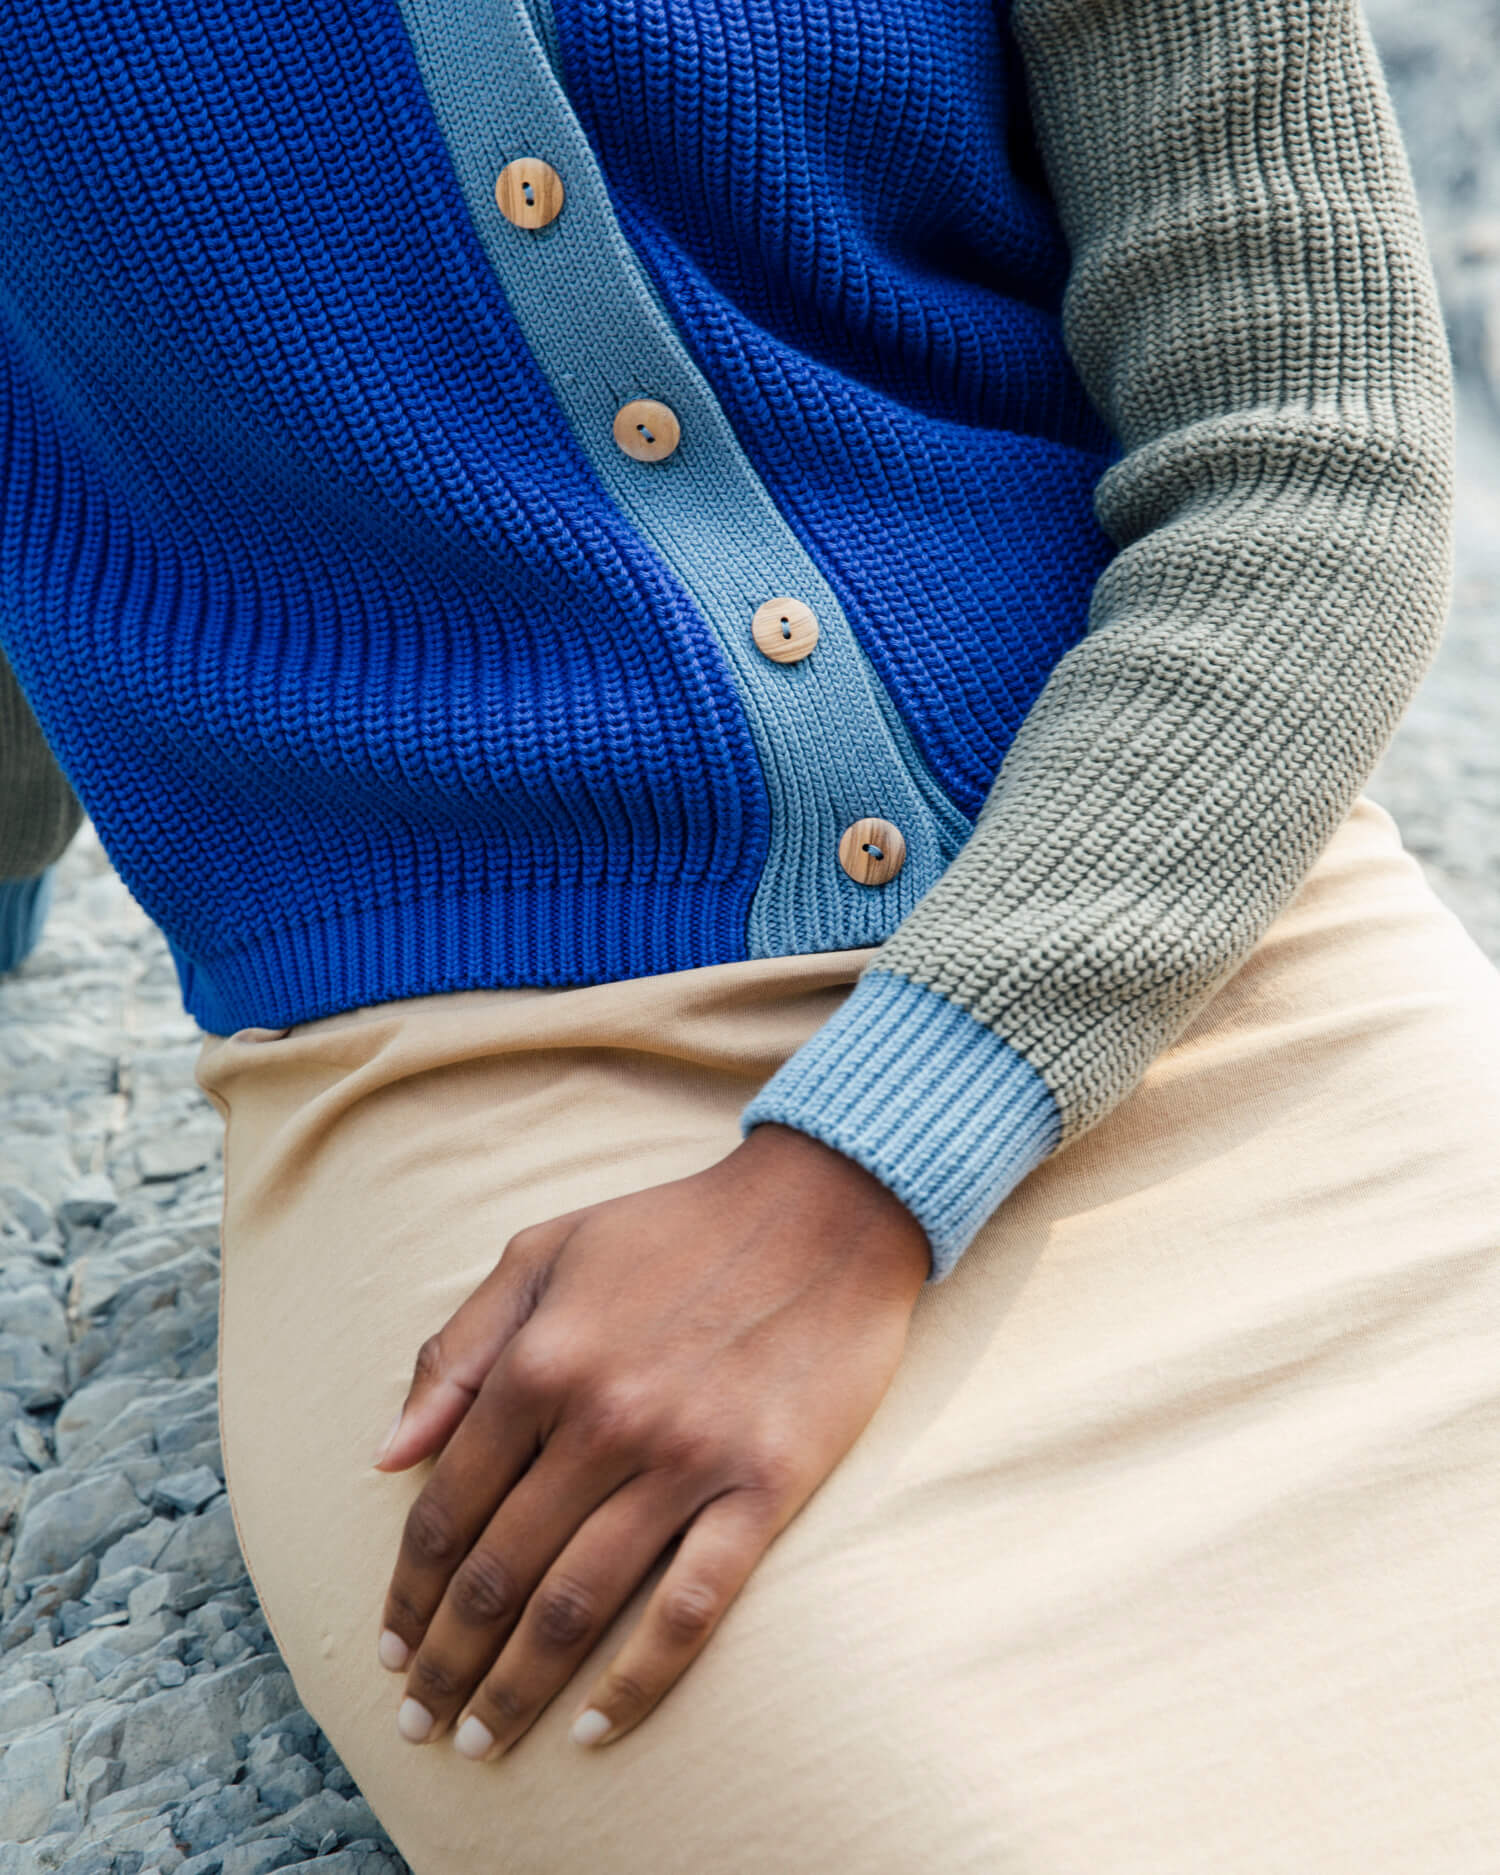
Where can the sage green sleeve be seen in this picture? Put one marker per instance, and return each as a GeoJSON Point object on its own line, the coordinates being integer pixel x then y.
{"type": "Point", "coordinates": [1252, 307]}
{"type": "Point", "coordinates": [39, 814]}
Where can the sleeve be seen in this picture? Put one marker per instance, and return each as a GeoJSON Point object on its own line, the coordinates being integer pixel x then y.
{"type": "Point", "coordinates": [39, 814]}
{"type": "Point", "coordinates": [1251, 305]}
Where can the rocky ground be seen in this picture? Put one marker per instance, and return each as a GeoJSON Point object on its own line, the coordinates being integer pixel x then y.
{"type": "Point", "coordinates": [146, 1721]}
{"type": "Point", "coordinates": [1441, 775]}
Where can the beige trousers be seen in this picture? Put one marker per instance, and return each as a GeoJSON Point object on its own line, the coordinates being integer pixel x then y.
{"type": "Point", "coordinates": [1174, 1548]}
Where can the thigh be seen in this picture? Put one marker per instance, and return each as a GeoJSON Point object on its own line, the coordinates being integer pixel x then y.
{"type": "Point", "coordinates": [1173, 1545]}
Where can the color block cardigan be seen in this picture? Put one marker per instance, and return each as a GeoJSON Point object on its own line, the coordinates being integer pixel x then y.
{"type": "Point", "coordinates": [1077, 363]}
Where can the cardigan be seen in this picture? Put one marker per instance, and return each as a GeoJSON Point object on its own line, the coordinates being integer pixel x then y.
{"type": "Point", "coordinates": [547, 491]}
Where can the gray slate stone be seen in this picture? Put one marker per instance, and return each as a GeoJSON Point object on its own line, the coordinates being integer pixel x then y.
{"type": "Point", "coordinates": [195, 1720]}
{"type": "Point", "coordinates": [209, 1822]}
{"type": "Point", "coordinates": [271, 1696]}
{"type": "Point", "coordinates": [146, 1798]}
{"type": "Point", "coordinates": [175, 1154]}
{"type": "Point", "coordinates": [51, 1592]}
{"type": "Point", "coordinates": [36, 1373]}
{"type": "Point", "coordinates": [287, 1784]}
{"type": "Point", "coordinates": [25, 1706]}
{"type": "Point", "coordinates": [115, 1589]}
{"type": "Point", "coordinates": [87, 1201]}
{"type": "Point", "coordinates": [206, 1546]}
{"type": "Point", "coordinates": [258, 1858]}
{"type": "Point", "coordinates": [36, 1312]}
{"type": "Point", "coordinates": [27, 1208]}
{"type": "Point", "coordinates": [95, 1779]}
{"type": "Point", "coordinates": [86, 1516]}
{"type": "Point", "coordinates": [141, 1546]}
{"type": "Point", "coordinates": [186, 1491]}
{"type": "Point", "coordinates": [31, 1442]}
{"type": "Point", "coordinates": [353, 1861]}
{"type": "Point", "coordinates": [13, 1485]}
{"type": "Point", "coordinates": [33, 1779]}
{"type": "Point", "coordinates": [316, 1817]}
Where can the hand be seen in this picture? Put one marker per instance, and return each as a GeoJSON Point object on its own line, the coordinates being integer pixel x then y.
{"type": "Point", "coordinates": [692, 1359]}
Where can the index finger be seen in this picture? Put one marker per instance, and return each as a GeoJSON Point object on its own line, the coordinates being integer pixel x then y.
{"type": "Point", "coordinates": [453, 1362]}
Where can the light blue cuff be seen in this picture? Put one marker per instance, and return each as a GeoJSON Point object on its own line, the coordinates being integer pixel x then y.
{"type": "Point", "coordinates": [923, 1095]}
{"type": "Point", "coordinates": [23, 912]}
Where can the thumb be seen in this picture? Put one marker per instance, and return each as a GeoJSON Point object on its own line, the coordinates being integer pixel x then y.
{"type": "Point", "coordinates": [451, 1364]}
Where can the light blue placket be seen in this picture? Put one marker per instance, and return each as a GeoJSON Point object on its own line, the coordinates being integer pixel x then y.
{"type": "Point", "coordinates": [831, 743]}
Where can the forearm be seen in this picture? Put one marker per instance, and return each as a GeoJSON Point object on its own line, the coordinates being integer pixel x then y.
{"type": "Point", "coordinates": [1252, 307]}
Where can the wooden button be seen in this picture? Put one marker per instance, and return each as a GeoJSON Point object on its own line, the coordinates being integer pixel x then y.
{"type": "Point", "coordinates": [785, 629]}
{"type": "Point", "coordinates": [529, 192]}
{"type": "Point", "coordinates": [872, 851]}
{"type": "Point", "coordinates": [646, 429]}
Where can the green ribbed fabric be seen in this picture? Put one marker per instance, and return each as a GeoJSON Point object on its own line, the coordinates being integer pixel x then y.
{"type": "Point", "coordinates": [39, 812]}
{"type": "Point", "coordinates": [1251, 304]}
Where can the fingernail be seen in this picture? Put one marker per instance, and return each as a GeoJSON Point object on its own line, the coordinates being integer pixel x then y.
{"type": "Point", "coordinates": [473, 1738]}
{"type": "Point", "coordinates": [394, 1652]}
{"type": "Point", "coordinates": [589, 1727]}
{"type": "Point", "coordinates": [413, 1721]}
{"type": "Point", "coordinates": [385, 1445]}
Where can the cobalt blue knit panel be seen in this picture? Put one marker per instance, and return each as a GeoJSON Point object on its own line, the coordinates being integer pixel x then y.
{"type": "Point", "coordinates": [368, 687]}
{"type": "Point", "coordinates": [369, 684]}
{"type": "Point", "coordinates": [843, 208]}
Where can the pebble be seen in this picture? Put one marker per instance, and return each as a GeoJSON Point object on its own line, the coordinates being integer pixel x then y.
{"type": "Point", "coordinates": [27, 1208]}
{"type": "Point", "coordinates": [186, 1491]}
{"type": "Point", "coordinates": [147, 1724]}
{"type": "Point", "coordinates": [88, 1200]}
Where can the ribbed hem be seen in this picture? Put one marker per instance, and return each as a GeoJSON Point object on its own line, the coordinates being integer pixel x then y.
{"type": "Point", "coordinates": [923, 1095]}
{"type": "Point", "coordinates": [527, 934]}
{"type": "Point", "coordinates": [23, 912]}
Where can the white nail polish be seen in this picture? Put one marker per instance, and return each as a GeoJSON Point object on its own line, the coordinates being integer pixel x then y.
{"type": "Point", "coordinates": [385, 1444]}
{"type": "Point", "coordinates": [394, 1652]}
{"type": "Point", "coordinates": [413, 1721]}
{"type": "Point", "coordinates": [473, 1738]}
{"type": "Point", "coordinates": [589, 1727]}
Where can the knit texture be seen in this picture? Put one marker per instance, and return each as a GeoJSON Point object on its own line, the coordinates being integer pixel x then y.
{"type": "Point", "coordinates": [825, 734]}
{"type": "Point", "coordinates": [369, 684]}
{"type": "Point", "coordinates": [1081, 362]}
{"type": "Point", "coordinates": [39, 812]}
{"type": "Point", "coordinates": [925, 1097]}
{"type": "Point", "coordinates": [1252, 306]}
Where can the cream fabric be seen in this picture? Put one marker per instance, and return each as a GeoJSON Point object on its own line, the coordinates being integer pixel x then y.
{"type": "Point", "coordinates": [1174, 1548]}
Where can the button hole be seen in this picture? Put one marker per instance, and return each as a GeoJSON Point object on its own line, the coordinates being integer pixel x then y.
{"type": "Point", "coordinates": [645, 432]}
{"type": "Point", "coordinates": [530, 194]}
{"type": "Point", "coordinates": [786, 626]}
{"type": "Point", "coordinates": [870, 847]}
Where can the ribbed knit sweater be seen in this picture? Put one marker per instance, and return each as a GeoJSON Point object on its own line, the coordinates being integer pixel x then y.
{"type": "Point", "coordinates": [1077, 365]}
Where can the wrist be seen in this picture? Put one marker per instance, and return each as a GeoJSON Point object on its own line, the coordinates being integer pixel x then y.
{"type": "Point", "coordinates": [848, 1211]}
